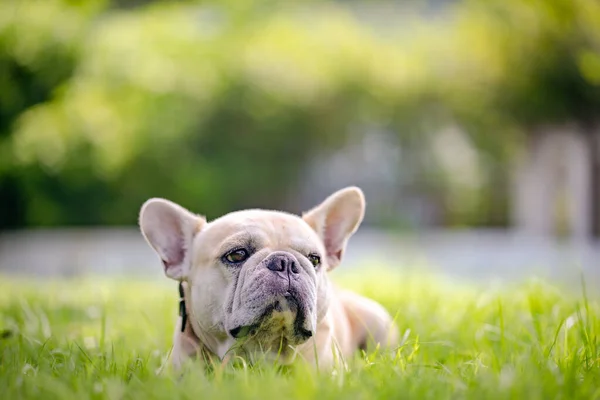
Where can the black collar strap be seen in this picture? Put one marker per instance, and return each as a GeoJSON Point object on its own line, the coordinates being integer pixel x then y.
{"type": "Point", "coordinates": [182, 310]}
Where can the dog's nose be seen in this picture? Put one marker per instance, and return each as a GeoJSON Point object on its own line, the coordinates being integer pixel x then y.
{"type": "Point", "coordinates": [283, 262]}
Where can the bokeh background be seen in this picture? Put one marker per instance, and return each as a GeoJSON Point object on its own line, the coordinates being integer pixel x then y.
{"type": "Point", "coordinates": [472, 126]}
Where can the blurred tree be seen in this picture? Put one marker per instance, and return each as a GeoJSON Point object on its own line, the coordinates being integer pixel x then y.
{"type": "Point", "coordinates": [219, 105]}
{"type": "Point", "coordinates": [39, 46]}
{"type": "Point", "coordinates": [183, 103]}
{"type": "Point", "coordinates": [547, 75]}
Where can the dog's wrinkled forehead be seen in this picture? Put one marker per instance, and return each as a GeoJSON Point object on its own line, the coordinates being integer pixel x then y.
{"type": "Point", "coordinates": [254, 230]}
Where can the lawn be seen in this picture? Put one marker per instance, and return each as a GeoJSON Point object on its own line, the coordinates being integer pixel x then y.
{"type": "Point", "coordinates": [99, 338]}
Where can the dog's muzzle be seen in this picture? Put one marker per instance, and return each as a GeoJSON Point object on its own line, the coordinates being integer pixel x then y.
{"type": "Point", "coordinates": [286, 267]}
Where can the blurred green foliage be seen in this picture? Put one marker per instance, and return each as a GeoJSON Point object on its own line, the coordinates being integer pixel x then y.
{"type": "Point", "coordinates": [219, 105]}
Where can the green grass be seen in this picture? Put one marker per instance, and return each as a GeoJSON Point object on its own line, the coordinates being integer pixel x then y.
{"type": "Point", "coordinates": [106, 339]}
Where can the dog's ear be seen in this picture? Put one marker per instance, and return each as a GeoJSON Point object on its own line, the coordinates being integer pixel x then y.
{"type": "Point", "coordinates": [336, 219]}
{"type": "Point", "coordinates": [169, 229]}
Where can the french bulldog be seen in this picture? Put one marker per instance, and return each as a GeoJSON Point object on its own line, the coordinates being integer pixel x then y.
{"type": "Point", "coordinates": [255, 282]}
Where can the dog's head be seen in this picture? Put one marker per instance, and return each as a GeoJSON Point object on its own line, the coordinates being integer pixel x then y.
{"type": "Point", "coordinates": [255, 276]}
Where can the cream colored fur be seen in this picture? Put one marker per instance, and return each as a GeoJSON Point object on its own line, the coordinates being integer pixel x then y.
{"type": "Point", "coordinates": [220, 296]}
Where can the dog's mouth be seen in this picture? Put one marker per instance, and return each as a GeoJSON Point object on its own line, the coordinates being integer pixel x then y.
{"type": "Point", "coordinates": [287, 304]}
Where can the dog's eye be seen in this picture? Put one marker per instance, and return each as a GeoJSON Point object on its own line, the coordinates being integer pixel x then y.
{"type": "Point", "coordinates": [236, 256]}
{"type": "Point", "coordinates": [314, 259]}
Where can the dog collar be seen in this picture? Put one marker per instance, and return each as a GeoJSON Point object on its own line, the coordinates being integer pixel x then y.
{"type": "Point", "coordinates": [182, 309]}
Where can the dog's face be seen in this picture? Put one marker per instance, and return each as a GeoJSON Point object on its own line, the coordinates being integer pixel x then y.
{"type": "Point", "coordinates": [255, 276]}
